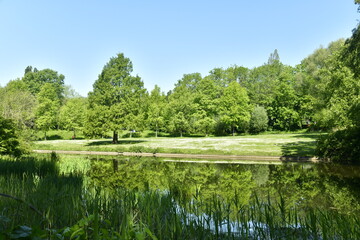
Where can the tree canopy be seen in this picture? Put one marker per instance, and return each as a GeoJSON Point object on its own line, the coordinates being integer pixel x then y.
{"type": "Point", "coordinates": [119, 97]}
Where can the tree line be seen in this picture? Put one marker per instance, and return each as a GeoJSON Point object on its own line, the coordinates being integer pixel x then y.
{"type": "Point", "coordinates": [320, 93]}
{"type": "Point", "coordinates": [317, 93]}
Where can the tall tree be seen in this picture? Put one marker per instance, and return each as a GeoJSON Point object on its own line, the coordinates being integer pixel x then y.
{"type": "Point", "coordinates": [262, 81]}
{"type": "Point", "coordinates": [235, 108]}
{"type": "Point", "coordinates": [47, 110]}
{"type": "Point", "coordinates": [156, 110]}
{"type": "Point", "coordinates": [181, 105]}
{"type": "Point", "coordinates": [283, 110]}
{"type": "Point", "coordinates": [119, 94]}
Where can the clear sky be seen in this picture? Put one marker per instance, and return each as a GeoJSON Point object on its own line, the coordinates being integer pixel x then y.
{"type": "Point", "coordinates": [163, 39]}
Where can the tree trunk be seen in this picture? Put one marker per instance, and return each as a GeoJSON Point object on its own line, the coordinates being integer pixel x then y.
{"type": "Point", "coordinates": [180, 133]}
{"type": "Point", "coordinates": [115, 137]}
{"type": "Point", "coordinates": [233, 131]}
{"type": "Point", "coordinates": [156, 132]}
{"type": "Point", "coordinates": [131, 133]}
{"type": "Point", "coordinates": [74, 136]}
{"type": "Point", "coordinates": [45, 135]}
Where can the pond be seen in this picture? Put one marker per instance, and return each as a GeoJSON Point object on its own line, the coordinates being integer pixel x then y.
{"type": "Point", "coordinates": [307, 185]}
{"type": "Point", "coordinates": [125, 198]}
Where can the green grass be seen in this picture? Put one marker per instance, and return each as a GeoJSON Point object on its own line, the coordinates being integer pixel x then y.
{"type": "Point", "coordinates": [280, 144]}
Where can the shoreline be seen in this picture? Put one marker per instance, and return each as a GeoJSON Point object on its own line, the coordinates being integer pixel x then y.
{"type": "Point", "coordinates": [192, 156]}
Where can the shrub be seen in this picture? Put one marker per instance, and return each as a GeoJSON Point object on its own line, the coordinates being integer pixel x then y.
{"type": "Point", "coordinates": [9, 142]}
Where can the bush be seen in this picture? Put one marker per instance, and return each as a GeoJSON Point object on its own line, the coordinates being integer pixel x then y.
{"type": "Point", "coordinates": [9, 142]}
{"type": "Point", "coordinates": [342, 146]}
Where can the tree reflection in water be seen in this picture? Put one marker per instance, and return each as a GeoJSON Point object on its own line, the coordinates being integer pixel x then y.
{"type": "Point", "coordinates": [320, 186]}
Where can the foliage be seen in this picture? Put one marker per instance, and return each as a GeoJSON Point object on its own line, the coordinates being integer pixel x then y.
{"type": "Point", "coordinates": [181, 105]}
{"type": "Point", "coordinates": [156, 110]}
{"type": "Point", "coordinates": [179, 124]}
{"type": "Point", "coordinates": [18, 105]}
{"type": "Point", "coordinates": [119, 97]}
{"type": "Point", "coordinates": [35, 80]}
{"type": "Point", "coordinates": [342, 146]}
{"type": "Point", "coordinates": [284, 109]}
{"type": "Point", "coordinates": [48, 107]}
{"type": "Point", "coordinates": [259, 120]}
{"type": "Point", "coordinates": [73, 115]}
{"type": "Point", "coordinates": [9, 142]}
{"type": "Point", "coordinates": [234, 105]}
{"type": "Point", "coordinates": [203, 123]}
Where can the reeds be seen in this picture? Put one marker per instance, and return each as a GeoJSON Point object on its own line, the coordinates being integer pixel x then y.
{"type": "Point", "coordinates": [71, 210]}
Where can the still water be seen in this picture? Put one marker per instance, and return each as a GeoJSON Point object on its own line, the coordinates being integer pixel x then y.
{"type": "Point", "coordinates": [181, 200]}
{"type": "Point", "coordinates": [320, 186]}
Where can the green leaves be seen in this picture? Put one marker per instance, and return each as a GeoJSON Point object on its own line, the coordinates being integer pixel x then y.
{"type": "Point", "coordinates": [259, 120]}
{"type": "Point", "coordinates": [234, 107]}
{"type": "Point", "coordinates": [120, 95]}
{"type": "Point", "coordinates": [73, 114]}
{"type": "Point", "coordinates": [9, 143]}
{"type": "Point", "coordinates": [48, 108]}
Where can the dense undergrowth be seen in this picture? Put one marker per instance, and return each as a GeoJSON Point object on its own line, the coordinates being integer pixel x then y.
{"type": "Point", "coordinates": [342, 146]}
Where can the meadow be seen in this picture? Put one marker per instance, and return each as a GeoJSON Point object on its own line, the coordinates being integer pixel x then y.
{"type": "Point", "coordinates": [279, 144]}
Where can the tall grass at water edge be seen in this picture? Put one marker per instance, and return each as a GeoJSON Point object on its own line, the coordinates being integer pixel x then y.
{"type": "Point", "coordinates": [67, 209]}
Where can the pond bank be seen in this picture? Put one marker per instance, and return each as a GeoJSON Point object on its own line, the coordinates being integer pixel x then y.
{"type": "Point", "coordinates": [192, 156]}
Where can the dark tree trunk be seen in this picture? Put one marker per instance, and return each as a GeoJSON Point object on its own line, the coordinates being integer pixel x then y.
{"type": "Point", "coordinates": [115, 137]}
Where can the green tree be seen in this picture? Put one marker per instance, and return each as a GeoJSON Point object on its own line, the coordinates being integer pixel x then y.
{"type": "Point", "coordinates": [156, 110]}
{"type": "Point", "coordinates": [73, 114]}
{"type": "Point", "coordinates": [283, 111]}
{"type": "Point", "coordinates": [96, 121]}
{"type": "Point", "coordinates": [234, 107]}
{"type": "Point", "coordinates": [203, 123]}
{"type": "Point", "coordinates": [311, 81]}
{"type": "Point", "coordinates": [181, 103]}
{"type": "Point", "coordinates": [207, 96]}
{"type": "Point", "coordinates": [120, 95]}
{"type": "Point", "coordinates": [35, 80]}
{"type": "Point", "coordinates": [262, 81]}
{"type": "Point", "coordinates": [47, 110]}
{"type": "Point", "coordinates": [19, 105]}
{"type": "Point", "coordinates": [179, 123]}
{"type": "Point", "coordinates": [342, 90]}
{"type": "Point", "coordinates": [259, 120]}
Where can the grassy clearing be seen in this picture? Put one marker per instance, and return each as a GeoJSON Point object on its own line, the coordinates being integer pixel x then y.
{"type": "Point", "coordinates": [288, 144]}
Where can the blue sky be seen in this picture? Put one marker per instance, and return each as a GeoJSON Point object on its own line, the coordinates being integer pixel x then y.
{"type": "Point", "coordinates": [163, 39]}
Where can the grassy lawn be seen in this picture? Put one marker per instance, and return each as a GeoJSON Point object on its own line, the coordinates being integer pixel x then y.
{"type": "Point", "coordinates": [295, 144]}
